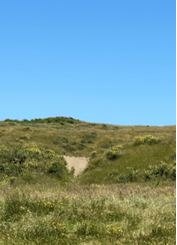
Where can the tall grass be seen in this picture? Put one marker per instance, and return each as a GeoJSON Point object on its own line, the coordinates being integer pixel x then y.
{"type": "Point", "coordinates": [96, 214]}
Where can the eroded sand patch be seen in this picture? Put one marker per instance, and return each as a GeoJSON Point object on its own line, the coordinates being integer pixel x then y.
{"type": "Point", "coordinates": [78, 163]}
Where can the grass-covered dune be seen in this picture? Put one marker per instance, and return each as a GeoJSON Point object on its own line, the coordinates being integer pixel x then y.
{"type": "Point", "coordinates": [116, 153]}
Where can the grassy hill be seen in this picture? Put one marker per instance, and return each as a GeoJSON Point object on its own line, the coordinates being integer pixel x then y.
{"type": "Point", "coordinates": [117, 153]}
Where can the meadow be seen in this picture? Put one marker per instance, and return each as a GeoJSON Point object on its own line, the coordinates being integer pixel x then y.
{"type": "Point", "coordinates": [95, 214]}
{"type": "Point", "coordinates": [126, 195]}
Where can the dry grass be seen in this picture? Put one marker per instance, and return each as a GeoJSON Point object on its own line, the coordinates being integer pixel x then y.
{"type": "Point", "coordinates": [96, 214]}
{"type": "Point", "coordinates": [45, 135]}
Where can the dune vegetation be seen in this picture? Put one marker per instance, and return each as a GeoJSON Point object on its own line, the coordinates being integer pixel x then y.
{"type": "Point", "coordinates": [125, 195]}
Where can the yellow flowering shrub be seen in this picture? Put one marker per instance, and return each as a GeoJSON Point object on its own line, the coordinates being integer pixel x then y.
{"type": "Point", "coordinates": [114, 152]}
{"type": "Point", "coordinates": [147, 139]}
{"type": "Point", "coordinates": [28, 159]}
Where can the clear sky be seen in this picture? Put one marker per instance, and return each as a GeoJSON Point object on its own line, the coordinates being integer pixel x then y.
{"type": "Point", "coordinates": [107, 61]}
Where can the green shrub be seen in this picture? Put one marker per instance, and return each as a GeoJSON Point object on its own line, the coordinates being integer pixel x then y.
{"type": "Point", "coordinates": [113, 153]}
{"type": "Point", "coordinates": [89, 138]}
{"type": "Point", "coordinates": [163, 170]}
{"type": "Point", "coordinates": [81, 146]}
{"type": "Point", "coordinates": [28, 160]}
{"type": "Point", "coordinates": [93, 154]}
{"type": "Point", "coordinates": [130, 175]}
{"type": "Point", "coordinates": [138, 140]}
{"type": "Point", "coordinates": [58, 168]}
{"type": "Point", "coordinates": [60, 140]}
{"type": "Point", "coordinates": [69, 148]}
{"type": "Point", "coordinates": [147, 139]}
{"type": "Point", "coordinates": [150, 139]}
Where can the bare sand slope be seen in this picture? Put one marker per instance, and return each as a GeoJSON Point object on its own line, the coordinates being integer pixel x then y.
{"type": "Point", "coordinates": [78, 163]}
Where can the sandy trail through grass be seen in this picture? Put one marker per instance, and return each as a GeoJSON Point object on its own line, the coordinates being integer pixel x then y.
{"type": "Point", "coordinates": [78, 163]}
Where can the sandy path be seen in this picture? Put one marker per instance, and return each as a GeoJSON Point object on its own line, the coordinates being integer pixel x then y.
{"type": "Point", "coordinates": [78, 163]}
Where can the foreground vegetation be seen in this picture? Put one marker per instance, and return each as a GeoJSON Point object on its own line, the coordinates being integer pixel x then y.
{"type": "Point", "coordinates": [126, 195]}
{"type": "Point", "coordinates": [95, 214]}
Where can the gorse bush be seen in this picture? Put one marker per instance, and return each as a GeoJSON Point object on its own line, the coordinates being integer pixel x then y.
{"type": "Point", "coordinates": [28, 160]}
{"type": "Point", "coordinates": [147, 139]}
{"type": "Point", "coordinates": [162, 170]}
{"type": "Point", "coordinates": [58, 168]}
{"type": "Point", "coordinates": [113, 153]}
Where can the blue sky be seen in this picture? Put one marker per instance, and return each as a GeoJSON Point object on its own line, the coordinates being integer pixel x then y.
{"type": "Point", "coordinates": [94, 60]}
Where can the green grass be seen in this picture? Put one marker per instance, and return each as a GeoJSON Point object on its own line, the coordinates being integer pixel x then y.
{"type": "Point", "coordinates": [96, 214]}
{"type": "Point", "coordinates": [135, 157]}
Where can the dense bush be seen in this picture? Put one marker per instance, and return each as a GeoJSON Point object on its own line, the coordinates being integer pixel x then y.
{"type": "Point", "coordinates": [130, 175]}
{"type": "Point", "coordinates": [113, 153]}
{"type": "Point", "coordinates": [164, 170]}
{"type": "Point", "coordinates": [147, 139]}
{"type": "Point", "coordinates": [58, 168]}
{"type": "Point", "coordinates": [93, 154]}
{"type": "Point", "coordinates": [26, 160]}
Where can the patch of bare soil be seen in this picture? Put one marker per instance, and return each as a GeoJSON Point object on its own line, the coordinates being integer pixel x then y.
{"type": "Point", "coordinates": [78, 163]}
